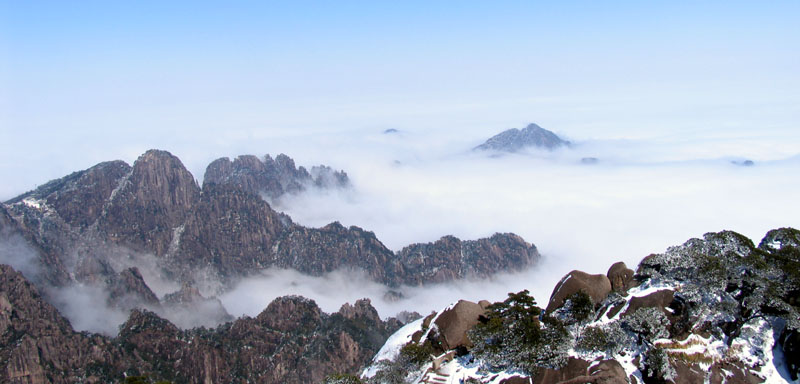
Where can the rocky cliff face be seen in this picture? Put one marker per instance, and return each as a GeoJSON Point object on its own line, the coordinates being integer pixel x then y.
{"type": "Point", "coordinates": [81, 197]}
{"type": "Point", "coordinates": [450, 258]}
{"type": "Point", "coordinates": [231, 230]}
{"type": "Point", "coordinates": [39, 344]}
{"type": "Point", "coordinates": [35, 234]}
{"type": "Point", "coordinates": [291, 341]}
{"type": "Point", "coordinates": [273, 178]}
{"type": "Point", "coordinates": [514, 140]}
{"type": "Point", "coordinates": [150, 203]}
{"type": "Point", "coordinates": [320, 250]}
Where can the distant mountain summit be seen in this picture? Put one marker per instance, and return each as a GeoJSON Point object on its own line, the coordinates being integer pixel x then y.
{"type": "Point", "coordinates": [514, 140]}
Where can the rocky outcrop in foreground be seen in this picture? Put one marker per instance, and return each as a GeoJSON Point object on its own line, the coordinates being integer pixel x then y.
{"type": "Point", "coordinates": [715, 310]}
{"type": "Point", "coordinates": [291, 341]}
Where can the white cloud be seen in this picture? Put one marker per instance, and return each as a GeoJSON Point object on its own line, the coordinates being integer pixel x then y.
{"type": "Point", "coordinates": [642, 196]}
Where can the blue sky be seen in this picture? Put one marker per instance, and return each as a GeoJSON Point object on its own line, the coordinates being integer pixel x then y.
{"type": "Point", "coordinates": [95, 80]}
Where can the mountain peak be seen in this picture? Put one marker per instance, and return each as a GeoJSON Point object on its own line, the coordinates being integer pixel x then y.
{"type": "Point", "coordinates": [514, 140]}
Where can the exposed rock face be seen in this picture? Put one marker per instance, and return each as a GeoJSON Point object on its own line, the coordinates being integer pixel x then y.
{"type": "Point", "coordinates": [607, 372]}
{"type": "Point", "coordinates": [45, 233]}
{"type": "Point", "coordinates": [514, 140]}
{"type": "Point", "coordinates": [129, 283]}
{"type": "Point", "coordinates": [6, 221]}
{"type": "Point", "coordinates": [274, 178]}
{"type": "Point", "coordinates": [790, 345]}
{"type": "Point", "coordinates": [319, 250]}
{"type": "Point", "coordinates": [659, 299]}
{"type": "Point", "coordinates": [596, 286]}
{"type": "Point", "coordinates": [454, 323]}
{"type": "Point", "coordinates": [663, 300]}
{"type": "Point", "coordinates": [621, 277]}
{"type": "Point", "coordinates": [573, 368]}
{"type": "Point", "coordinates": [449, 258]}
{"type": "Point", "coordinates": [583, 372]}
{"type": "Point", "coordinates": [39, 344]}
{"type": "Point", "coordinates": [81, 197]}
{"type": "Point", "coordinates": [150, 203]}
{"type": "Point", "coordinates": [292, 341]}
{"type": "Point", "coordinates": [191, 309]}
{"type": "Point", "coordinates": [245, 172]}
{"type": "Point", "coordinates": [229, 229]}
{"type": "Point", "coordinates": [516, 380]}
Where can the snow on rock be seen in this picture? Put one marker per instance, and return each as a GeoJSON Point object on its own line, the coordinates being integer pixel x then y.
{"type": "Point", "coordinates": [775, 244]}
{"type": "Point", "coordinates": [460, 370]}
{"type": "Point", "coordinates": [643, 290]}
{"type": "Point", "coordinates": [391, 349]}
{"type": "Point", "coordinates": [755, 351]}
{"type": "Point", "coordinates": [33, 203]}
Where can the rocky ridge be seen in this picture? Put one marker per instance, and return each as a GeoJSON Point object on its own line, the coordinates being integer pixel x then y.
{"type": "Point", "coordinates": [291, 341]}
{"type": "Point", "coordinates": [272, 177]}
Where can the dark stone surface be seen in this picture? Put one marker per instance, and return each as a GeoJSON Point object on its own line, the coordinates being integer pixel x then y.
{"type": "Point", "coordinates": [621, 277]}
{"type": "Point", "coordinates": [156, 198]}
{"type": "Point", "coordinates": [790, 345]}
{"type": "Point", "coordinates": [596, 286]}
{"type": "Point", "coordinates": [454, 323]}
{"type": "Point", "coordinates": [573, 368]}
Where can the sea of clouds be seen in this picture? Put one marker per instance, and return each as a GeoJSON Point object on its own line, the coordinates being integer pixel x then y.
{"type": "Point", "coordinates": [640, 197]}
{"type": "Point", "coordinates": [643, 194]}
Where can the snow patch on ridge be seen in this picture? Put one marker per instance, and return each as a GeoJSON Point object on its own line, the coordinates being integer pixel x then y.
{"type": "Point", "coordinates": [391, 349]}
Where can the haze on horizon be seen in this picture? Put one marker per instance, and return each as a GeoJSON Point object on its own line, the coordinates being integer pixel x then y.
{"type": "Point", "coordinates": [93, 81]}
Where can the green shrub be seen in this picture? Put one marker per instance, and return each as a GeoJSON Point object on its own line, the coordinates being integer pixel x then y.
{"type": "Point", "coordinates": [579, 307]}
{"type": "Point", "coordinates": [416, 353]}
{"type": "Point", "coordinates": [411, 358]}
{"type": "Point", "coordinates": [657, 367]}
{"type": "Point", "coordinates": [513, 336]}
{"type": "Point", "coordinates": [609, 339]}
{"type": "Point", "coordinates": [593, 339]}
